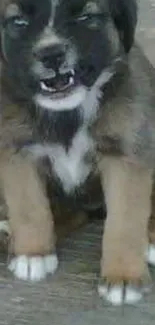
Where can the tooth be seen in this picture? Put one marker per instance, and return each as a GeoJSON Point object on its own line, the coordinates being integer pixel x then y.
{"type": "Point", "coordinates": [71, 80]}
{"type": "Point", "coordinates": [73, 72]}
{"type": "Point", "coordinates": [44, 87]}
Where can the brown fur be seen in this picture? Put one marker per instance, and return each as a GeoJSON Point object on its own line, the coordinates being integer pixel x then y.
{"type": "Point", "coordinates": [125, 237]}
{"type": "Point", "coordinates": [125, 130]}
{"type": "Point", "coordinates": [127, 174]}
{"type": "Point", "coordinates": [28, 208]}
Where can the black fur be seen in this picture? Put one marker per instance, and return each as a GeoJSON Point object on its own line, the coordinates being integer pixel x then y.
{"type": "Point", "coordinates": [94, 47]}
{"type": "Point", "coordinates": [124, 13]}
{"type": "Point", "coordinates": [57, 127]}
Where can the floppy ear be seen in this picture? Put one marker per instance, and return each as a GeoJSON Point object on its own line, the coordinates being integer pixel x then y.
{"type": "Point", "coordinates": [124, 14]}
{"type": "Point", "coordinates": [3, 4]}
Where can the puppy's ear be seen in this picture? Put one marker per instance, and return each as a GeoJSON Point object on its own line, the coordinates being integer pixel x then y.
{"type": "Point", "coordinates": [124, 14]}
{"type": "Point", "coordinates": [3, 4]}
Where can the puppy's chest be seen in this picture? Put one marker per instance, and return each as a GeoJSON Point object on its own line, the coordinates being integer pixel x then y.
{"type": "Point", "coordinates": [72, 165]}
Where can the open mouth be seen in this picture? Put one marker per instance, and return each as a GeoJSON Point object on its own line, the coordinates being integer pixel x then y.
{"type": "Point", "coordinates": [59, 84]}
{"type": "Point", "coordinates": [63, 91]}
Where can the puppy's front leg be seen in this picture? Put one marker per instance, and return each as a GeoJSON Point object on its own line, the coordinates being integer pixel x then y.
{"type": "Point", "coordinates": [128, 192]}
{"type": "Point", "coordinates": [30, 219]}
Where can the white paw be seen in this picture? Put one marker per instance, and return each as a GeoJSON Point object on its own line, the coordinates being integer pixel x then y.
{"type": "Point", "coordinates": [150, 255]}
{"type": "Point", "coordinates": [33, 268]}
{"type": "Point", "coordinates": [4, 227]}
{"type": "Point", "coordinates": [118, 295]}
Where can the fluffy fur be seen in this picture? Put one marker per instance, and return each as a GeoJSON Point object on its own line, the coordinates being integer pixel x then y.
{"type": "Point", "coordinates": [76, 103]}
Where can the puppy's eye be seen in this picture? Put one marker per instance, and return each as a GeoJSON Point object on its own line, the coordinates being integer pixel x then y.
{"type": "Point", "coordinates": [83, 18]}
{"type": "Point", "coordinates": [15, 26]}
{"type": "Point", "coordinates": [17, 23]}
{"type": "Point", "coordinates": [86, 17]}
{"type": "Point", "coordinates": [91, 18]}
{"type": "Point", "coordinates": [20, 22]}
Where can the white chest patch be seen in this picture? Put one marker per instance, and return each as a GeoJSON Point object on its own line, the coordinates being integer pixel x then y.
{"type": "Point", "coordinates": [69, 166]}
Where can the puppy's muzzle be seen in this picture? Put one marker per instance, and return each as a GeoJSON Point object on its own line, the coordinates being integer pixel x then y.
{"type": "Point", "coordinates": [52, 58]}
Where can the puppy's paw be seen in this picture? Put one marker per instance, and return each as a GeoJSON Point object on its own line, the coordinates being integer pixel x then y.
{"type": "Point", "coordinates": [33, 268]}
{"type": "Point", "coordinates": [4, 227]}
{"type": "Point", "coordinates": [150, 255]}
{"type": "Point", "coordinates": [5, 233]}
{"type": "Point", "coordinates": [121, 294]}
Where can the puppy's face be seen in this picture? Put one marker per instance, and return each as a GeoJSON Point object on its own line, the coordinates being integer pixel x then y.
{"type": "Point", "coordinates": [55, 51]}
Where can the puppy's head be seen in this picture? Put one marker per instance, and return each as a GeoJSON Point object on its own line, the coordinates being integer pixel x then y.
{"type": "Point", "coordinates": [56, 51]}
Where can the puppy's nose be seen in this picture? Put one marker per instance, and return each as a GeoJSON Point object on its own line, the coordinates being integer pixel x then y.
{"type": "Point", "coordinates": [52, 57]}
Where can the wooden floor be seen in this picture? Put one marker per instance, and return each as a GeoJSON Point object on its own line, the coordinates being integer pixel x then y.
{"type": "Point", "coordinates": [70, 296]}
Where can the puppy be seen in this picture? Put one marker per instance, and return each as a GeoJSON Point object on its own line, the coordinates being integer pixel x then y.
{"type": "Point", "coordinates": [77, 103]}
